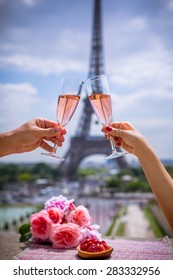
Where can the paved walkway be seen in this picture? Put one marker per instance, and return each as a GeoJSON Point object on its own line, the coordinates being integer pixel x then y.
{"type": "Point", "coordinates": [137, 225]}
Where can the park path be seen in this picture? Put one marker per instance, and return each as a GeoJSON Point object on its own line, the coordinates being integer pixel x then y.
{"type": "Point", "coordinates": [137, 225]}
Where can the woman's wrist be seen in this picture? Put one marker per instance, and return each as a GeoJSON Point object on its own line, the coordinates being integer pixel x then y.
{"type": "Point", "coordinates": [146, 156]}
{"type": "Point", "coordinates": [142, 149]}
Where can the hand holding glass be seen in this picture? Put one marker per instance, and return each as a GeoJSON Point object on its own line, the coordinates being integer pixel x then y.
{"type": "Point", "coordinates": [97, 88]}
{"type": "Point", "coordinates": [67, 102]}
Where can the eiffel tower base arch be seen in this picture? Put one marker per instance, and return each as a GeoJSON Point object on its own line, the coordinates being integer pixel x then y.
{"type": "Point", "coordinates": [80, 148]}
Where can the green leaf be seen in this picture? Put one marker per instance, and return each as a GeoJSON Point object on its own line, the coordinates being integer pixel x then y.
{"type": "Point", "coordinates": [25, 237]}
{"type": "Point", "coordinates": [24, 229]}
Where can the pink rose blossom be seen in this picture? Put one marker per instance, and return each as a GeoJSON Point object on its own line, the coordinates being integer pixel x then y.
{"type": "Point", "coordinates": [55, 214]}
{"type": "Point", "coordinates": [80, 216]}
{"type": "Point", "coordinates": [60, 202]}
{"type": "Point", "coordinates": [65, 236]}
{"type": "Point", "coordinates": [40, 225]}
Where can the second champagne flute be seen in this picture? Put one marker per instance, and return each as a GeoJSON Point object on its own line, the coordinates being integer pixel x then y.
{"type": "Point", "coordinates": [97, 88]}
{"type": "Point", "coordinates": [67, 102]}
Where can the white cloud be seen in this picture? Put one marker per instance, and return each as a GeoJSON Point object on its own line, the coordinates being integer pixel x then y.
{"type": "Point", "coordinates": [40, 65]}
{"type": "Point", "coordinates": [137, 24]}
{"type": "Point", "coordinates": [17, 101]}
{"type": "Point", "coordinates": [125, 24]}
{"type": "Point", "coordinates": [29, 3]}
{"type": "Point", "coordinates": [62, 51]}
{"type": "Point", "coordinates": [170, 5]}
{"type": "Point", "coordinates": [150, 68]}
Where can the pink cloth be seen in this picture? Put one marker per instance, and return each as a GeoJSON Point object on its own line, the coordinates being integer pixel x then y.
{"type": "Point", "coordinates": [124, 249]}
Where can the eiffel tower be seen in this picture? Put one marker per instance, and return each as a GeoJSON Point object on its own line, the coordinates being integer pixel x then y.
{"type": "Point", "coordinates": [83, 145]}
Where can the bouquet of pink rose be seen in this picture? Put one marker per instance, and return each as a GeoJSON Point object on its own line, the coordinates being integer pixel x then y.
{"type": "Point", "coordinates": [60, 223]}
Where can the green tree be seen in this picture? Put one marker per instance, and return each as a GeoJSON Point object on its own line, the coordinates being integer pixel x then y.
{"type": "Point", "coordinates": [112, 184]}
{"type": "Point", "coordinates": [9, 173]}
{"type": "Point", "coordinates": [141, 186]}
{"type": "Point", "coordinates": [170, 170]}
{"type": "Point", "coordinates": [24, 176]}
{"type": "Point", "coordinates": [45, 171]}
{"type": "Point", "coordinates": [86, 172]}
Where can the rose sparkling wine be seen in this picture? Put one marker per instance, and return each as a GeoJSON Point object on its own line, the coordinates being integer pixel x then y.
{"type": "Point", "coordinates": [66, 107]}
{"type": "Point", "coordinates": [101, 104]}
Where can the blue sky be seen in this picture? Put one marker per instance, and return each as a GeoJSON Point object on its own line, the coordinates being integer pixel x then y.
{"type": "Point", "coordinates": [43, 40]}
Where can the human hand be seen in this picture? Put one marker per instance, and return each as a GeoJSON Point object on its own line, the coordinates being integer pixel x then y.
{"type": "Point", "coordinates": [31, 135]}
{"type": "Point", "coordinates": [125, 135]}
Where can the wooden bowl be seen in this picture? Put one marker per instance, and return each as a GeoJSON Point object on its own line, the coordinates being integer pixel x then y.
{"type": "Point", "coordinates": [94, 255]}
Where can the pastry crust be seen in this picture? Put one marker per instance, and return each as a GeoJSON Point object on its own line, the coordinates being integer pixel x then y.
{"type": "Point", "coordinates": [94, 255]}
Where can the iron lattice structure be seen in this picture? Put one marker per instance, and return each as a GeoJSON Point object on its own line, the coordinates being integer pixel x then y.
{"type": "Point", "coordinates": [83, 145]}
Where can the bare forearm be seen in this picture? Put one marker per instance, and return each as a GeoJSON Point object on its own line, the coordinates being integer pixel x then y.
{"type": "Point", "coordinates": [159, 179]}
{"type": "Point", "coordinates": [7, 143]}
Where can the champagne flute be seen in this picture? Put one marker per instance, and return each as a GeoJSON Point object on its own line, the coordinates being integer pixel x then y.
{"type": "Point", "coordinates": [67, 102]}
{"type": "Point", "coordinates": [97, 88]}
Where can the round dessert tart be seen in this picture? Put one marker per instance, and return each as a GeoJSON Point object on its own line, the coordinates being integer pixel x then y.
{"type": "Point", "coordinates": [94, 249]}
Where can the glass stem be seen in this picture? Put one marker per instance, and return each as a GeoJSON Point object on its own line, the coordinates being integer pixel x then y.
{"type": "Point", "coordinates": [54, 148]}
{"type": "Point", "coordinates": [112, 143]}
